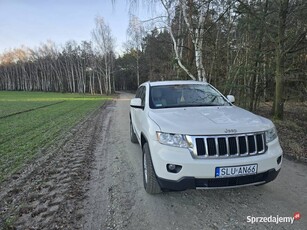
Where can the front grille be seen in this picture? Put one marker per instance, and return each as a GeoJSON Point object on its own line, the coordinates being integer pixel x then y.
{"type": "Point", "coordinates": [228, 146]}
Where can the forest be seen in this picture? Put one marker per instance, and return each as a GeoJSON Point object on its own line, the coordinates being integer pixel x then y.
{"type": "Point", "coordinates": [254, 50]}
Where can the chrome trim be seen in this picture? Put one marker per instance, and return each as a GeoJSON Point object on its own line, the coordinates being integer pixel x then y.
{"type": "Point", "coordinates": [216, 140]}
{"type": "Point", "coordinates": [193, 149]}
{"type": "Point", "coordinates": [238, 148]}
{"type": "Point", "coordinates": [247, 145]}
{"type": "Point", "coordinates": [206, 147]}
{"type": "Point", "coordinates": [227, 147]}
{"type": "Point", "coordinates": [263, 144]}
{"type": "Point", "coordinates": [256, 146]}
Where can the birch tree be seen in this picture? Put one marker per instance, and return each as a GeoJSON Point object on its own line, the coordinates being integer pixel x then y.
{"type": "Point", "coordinates": [195, 14]}
{"type": "Point", "coordinates": [136, 32]}
{"type": "Point", "coordinates": [103, 38]}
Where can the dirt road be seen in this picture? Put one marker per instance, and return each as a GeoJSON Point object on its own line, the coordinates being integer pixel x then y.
{"type": "Point", "coordinates": [117, 200]}
{"type": "Point", "coordinates": [94, 181]}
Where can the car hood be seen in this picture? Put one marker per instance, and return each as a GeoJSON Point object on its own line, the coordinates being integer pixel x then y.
{"type": "Point", "coordinates": [213, 120]}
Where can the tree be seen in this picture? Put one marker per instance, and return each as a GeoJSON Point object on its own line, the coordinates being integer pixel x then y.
{"type": "Point", "coordinates": [105, 43]}
{"type": "Point", "coordinates": [136, 32]}
{"type": "Point", "coordinates": [280, 58]}
{"type": "Point", "coordinates": [47, 68]}
{"type": "Point", "coordinates": [279, 32]}
{"type": "Point", "coordinates": [159, 55]}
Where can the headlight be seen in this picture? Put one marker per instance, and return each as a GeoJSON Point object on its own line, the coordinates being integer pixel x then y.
{"type": "Point", "coordinates": [176, 140]}
{"type": "Point", "coordinates": [270, 135]}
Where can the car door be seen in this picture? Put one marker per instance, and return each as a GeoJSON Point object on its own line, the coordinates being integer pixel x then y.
{"type": "Point", "coordinates": [136, 114]}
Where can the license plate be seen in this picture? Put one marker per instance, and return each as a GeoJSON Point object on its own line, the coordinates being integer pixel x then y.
{"type": "Point", "coordinates": [234, 171]}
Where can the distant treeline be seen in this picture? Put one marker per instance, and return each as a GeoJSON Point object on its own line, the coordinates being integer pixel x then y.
{"type": "Point", "coordinates": [74, 69]}
{"type": "Point", "coordinates": [255, 50]}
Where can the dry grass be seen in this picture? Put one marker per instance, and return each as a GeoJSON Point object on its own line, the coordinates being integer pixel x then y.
{"type": "Point", "coordinates": [292, 131]}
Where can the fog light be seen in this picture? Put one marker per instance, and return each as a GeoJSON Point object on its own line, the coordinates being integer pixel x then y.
{"type": "Point", "coordinates": [173, 168]}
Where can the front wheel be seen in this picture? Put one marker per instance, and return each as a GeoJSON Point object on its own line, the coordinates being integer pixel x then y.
{"type": "Point", "coordinates": [151, 184]}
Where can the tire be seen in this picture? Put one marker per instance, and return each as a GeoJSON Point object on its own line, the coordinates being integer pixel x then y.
{"type": "Point", "coordinates": [151, 184]}
{"type": "Point", "coordinates": [133, 137]}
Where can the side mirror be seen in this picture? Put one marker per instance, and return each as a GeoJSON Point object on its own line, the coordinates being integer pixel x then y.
{"type": "Point", "coordinates": [136, 103]}
{"type": "Point", "coordinates": [231, 98]}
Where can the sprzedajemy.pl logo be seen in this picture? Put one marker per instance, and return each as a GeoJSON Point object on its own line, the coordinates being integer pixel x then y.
{"type": "Point", "coordinates": [273, 219]}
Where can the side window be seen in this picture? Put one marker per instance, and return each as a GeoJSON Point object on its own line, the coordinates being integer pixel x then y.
{"type": "Point", "coordinates": [143, 94]}
{"type": "Point", "coordinates": [137, 94]}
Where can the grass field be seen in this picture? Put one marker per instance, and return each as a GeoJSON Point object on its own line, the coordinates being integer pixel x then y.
{"type": "Point", "coordinates": [30, 121]}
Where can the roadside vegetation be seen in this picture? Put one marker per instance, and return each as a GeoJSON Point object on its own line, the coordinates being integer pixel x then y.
{"type": "Point", "coordinates": [292, 130]}
{"type": "Point", "coordinates": [32, 121]}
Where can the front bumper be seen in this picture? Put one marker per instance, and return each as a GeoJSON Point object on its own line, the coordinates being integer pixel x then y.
{"type": "Point", "coordinates": [193, 183]}
{"type": "Point", "coordinates": [200, 173]}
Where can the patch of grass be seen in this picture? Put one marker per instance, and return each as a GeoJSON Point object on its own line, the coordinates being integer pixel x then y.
{"type": "Point", "coordinates": [8, 224]}
{"type": "Point", "coordinates": [12, 102]}
{"type": "Point", "coordinates": [23, 135]}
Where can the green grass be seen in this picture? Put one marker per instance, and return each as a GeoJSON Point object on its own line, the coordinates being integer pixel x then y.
{"type": "Point", "coordinates": [23, 135]}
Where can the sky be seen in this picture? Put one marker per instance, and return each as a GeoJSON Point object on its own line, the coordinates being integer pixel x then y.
{"type": "Point", "coordinates": [33, 22]}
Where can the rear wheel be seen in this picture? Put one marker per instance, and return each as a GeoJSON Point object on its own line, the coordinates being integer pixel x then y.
{"type": "Point", "coordinates": [133, 137]}
{"type": "Point", "coordinates": [151, 184]}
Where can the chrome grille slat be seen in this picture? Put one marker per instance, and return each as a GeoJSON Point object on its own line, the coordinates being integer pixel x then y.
{"type": "Point", "coordinates": [263, 144]}
{"type": "Point", "coordinates": [251, 144]}
{"type": "Point", "coordinates": [247, 145]}
{"type": "Point", "coordinates": [255, 139]}
{"type": "Point", "coordinates": [217, 147]}
{"type": "Point", "coordinates": [206, 146]}
{"type": "Point", "coordinates": [227, 147]}
{"type": "Point", "coordinates": [238, 146]}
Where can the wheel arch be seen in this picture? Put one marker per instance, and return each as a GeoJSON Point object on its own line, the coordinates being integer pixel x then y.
{"type": "Point", "coordinates": [143, 139]}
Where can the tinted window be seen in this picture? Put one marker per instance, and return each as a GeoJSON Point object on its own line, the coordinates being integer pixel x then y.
{"type": "Point", "coordinates": [170, 96]}
{"type": "Point", "coordinates": [137, 94]}
{"type": "Point", "coordinates": [143, 96]}
{"type": "Point", "coordinates": [140, 93]}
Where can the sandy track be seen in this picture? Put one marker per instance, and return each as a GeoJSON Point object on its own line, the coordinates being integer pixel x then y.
{"type": "Point", "coordinates": [94, 181]}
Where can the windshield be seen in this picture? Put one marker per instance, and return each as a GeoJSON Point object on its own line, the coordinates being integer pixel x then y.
{"type": "Point", "coordinates": [171, 96]}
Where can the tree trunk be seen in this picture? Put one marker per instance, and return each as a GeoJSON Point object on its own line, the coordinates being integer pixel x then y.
{"type": "Point", "coordinates": [137, 67]}
{"type": "Point", "coordinates": [279, 60]}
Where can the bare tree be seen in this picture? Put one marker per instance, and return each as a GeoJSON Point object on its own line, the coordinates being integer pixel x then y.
{"type": "Point", "coordinates": [136, 32]}
{"type": "Point", "coordinates": [170, 8]}
{"type": "Point", "coordinates": [105, 42]}
{"type": "Point", "coordinates": [195, 13]}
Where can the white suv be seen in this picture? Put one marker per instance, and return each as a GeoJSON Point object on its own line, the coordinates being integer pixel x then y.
{"type": "Point", "coordinates": [194, 137]}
